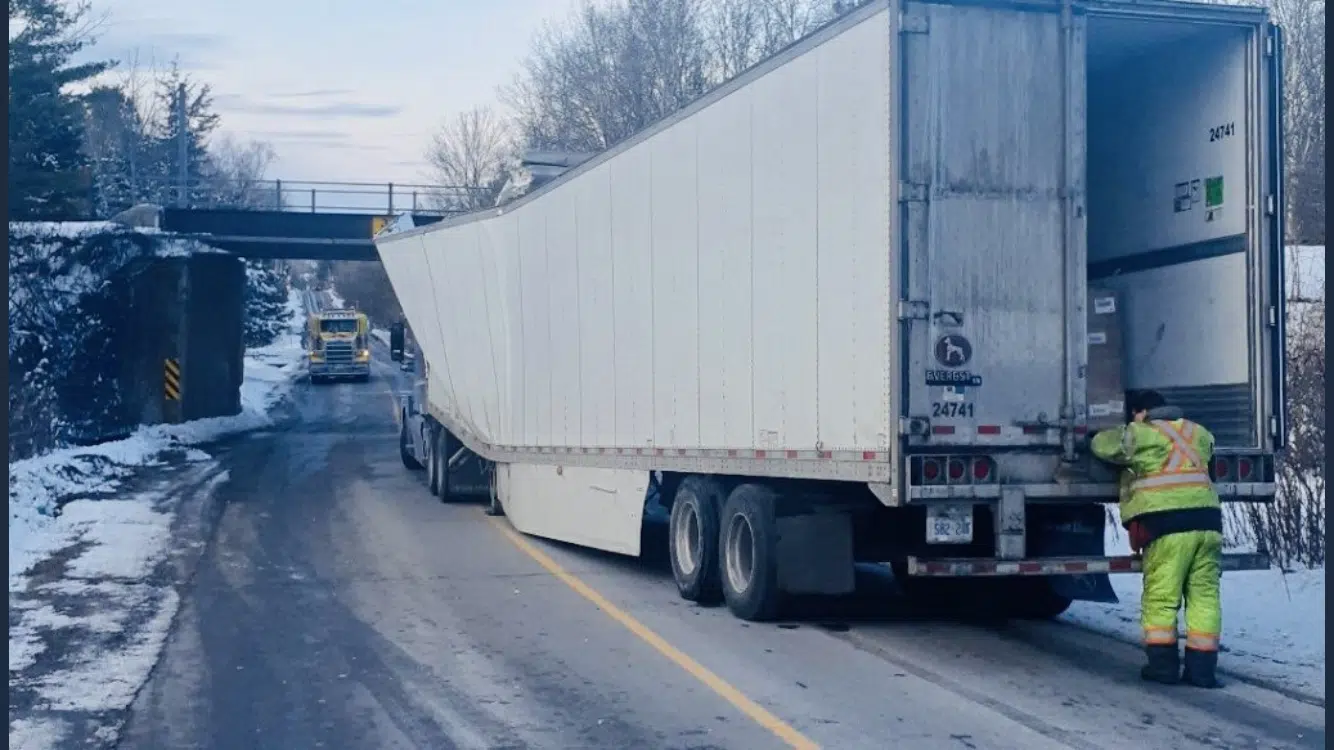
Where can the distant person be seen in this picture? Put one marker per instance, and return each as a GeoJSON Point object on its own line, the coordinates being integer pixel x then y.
{"type": "Point", "coordinates": [1174, 519]}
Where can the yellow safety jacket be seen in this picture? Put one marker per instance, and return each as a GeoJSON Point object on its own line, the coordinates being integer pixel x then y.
{"type": "Point", "coordinates": [1167, 463]}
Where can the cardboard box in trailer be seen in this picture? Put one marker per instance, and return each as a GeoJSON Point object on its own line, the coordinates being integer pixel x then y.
{"type": "Point", "coordinates": [866, 301]}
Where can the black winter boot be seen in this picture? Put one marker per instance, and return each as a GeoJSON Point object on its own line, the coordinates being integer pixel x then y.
{"type": "Point", "coordinates": [1164, 664]}
{"type": "Point", "coordinates": [1200, 668]}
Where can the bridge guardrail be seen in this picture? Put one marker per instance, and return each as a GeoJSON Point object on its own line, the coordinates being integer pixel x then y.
{"type": "Point", "coordinates": [313, 196]}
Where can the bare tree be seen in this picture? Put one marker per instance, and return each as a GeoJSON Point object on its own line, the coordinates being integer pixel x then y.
{"type": "Point", "coordinates": [743, 32]}
{"type": "Point", "coordinates": [1303, 23]}
{"type": "Point", "coordinates": [1292, 528]}
{"type": "Point", "coordinates": [472, 155]}
{"type": "Point", "coordinates": [608, 71]}
{"type": "Point", "coordinates": [239, 169]}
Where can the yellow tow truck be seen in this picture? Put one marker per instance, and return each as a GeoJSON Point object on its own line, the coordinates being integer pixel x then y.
{"type": "Point", "coordinates": [339, 345]}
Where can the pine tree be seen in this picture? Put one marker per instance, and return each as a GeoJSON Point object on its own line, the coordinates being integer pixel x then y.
{"type": "Point", "coordinates": [174, 89]}
{"type": "Point", "coordinates": [266, 303]}
{"type": "Point", "coordinates": [48, 171]}
{"type": "Point", "coordinates": [113, 141]}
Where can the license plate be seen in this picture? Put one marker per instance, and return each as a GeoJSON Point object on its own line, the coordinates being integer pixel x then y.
{"type": "Point", "coordinates": [949, 524]}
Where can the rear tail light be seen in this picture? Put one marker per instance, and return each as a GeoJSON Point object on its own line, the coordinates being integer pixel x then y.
{"type": "Point", "coordinates": [952, 469]}
{"type": "Point", "coordinates": [1244, 469]}
{"type": "Point", "coordinates": [1222, 470]}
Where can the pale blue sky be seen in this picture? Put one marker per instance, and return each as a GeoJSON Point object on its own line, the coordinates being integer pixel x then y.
{"type": "Point", "coordinates": [343, 89]}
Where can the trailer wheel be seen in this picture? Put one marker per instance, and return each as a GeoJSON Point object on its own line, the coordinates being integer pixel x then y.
{"type": "Point", "coordinates": [1034, 599]}
{"type": "Point", "coordinates": [404, 440]}
{"type": "Point", "coordinates": [748, 561]}
{"type": "Point", "coordinates": [694, 537]}
{"type": "Point", "coordinates": [433, 462]}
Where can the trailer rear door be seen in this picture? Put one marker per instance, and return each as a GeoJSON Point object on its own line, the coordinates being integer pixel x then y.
{"type": "Point", "coordinates": [992, 256]}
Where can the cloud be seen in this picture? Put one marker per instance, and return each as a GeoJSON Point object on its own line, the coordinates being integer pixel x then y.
{"type": "Point", "coordinates": [320, 136]}
{"type": "Point", "coordinates": [194, 51]}
{"type": "Point", "coordinates": [332, 109]}
{"type": "Point", "coordinates": [312, 93]}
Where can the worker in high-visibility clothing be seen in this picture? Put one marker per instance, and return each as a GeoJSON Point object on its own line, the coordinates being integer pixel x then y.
{"type": "Point", "coordinates": [1171, 512]}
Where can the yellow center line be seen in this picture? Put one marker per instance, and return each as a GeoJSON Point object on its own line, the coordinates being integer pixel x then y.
{"type": "Point", "coordinates": [745, 705]}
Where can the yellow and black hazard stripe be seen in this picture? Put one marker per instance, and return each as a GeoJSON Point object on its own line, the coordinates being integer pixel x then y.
{"type": "Point", "coordinates": [171, 379]}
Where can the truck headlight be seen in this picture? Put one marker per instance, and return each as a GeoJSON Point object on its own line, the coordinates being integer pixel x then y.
{"type": "Point", "coordinates": [363, 355]}
{"type": "Point", "coordinates": [316, 356]}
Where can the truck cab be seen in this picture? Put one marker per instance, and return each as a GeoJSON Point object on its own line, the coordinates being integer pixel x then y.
{"type": "Point", "coordinates": [338, 343]}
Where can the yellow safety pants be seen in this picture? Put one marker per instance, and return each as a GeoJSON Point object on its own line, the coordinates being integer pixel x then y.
{"type": "Point", "coordinates": [1185, 565]}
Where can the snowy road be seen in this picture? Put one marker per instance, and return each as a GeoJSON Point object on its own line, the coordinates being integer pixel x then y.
{"type": "Point", "coordinates": [339, 606]}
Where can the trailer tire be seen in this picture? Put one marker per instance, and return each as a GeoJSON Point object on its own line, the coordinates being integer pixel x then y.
{"type": "Point", "coordinates": [693, 539]}
{"type": "Point", "coordinates": [404, 440]}
{"type": "Point", "coordinates": [1034, 599]}
{"type": "Point", "coordinates": [748, 553]}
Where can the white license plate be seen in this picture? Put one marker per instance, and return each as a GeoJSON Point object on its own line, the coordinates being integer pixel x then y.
{"type": "Point", "coordinates": [949, 524]}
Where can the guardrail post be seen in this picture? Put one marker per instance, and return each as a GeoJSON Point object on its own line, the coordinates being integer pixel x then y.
{"type": "Point", "coordinates": [312, 200]}
{"type": "Point", "coordinates": [278, 195]}
{"type": "Point", "coordinates": [414, 201]}
{"type": "Point", "coordinates": [391, 199]}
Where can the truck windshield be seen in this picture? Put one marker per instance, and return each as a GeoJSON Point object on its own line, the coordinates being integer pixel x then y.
{"type": "Point", "coordinates": [338, 326]}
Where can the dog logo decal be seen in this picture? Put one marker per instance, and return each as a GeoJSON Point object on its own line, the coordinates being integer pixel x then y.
{"type": "Point", "coordinates": [953, 350]}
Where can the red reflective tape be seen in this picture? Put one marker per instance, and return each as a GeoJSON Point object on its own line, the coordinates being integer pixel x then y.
{"type": "Point", "coordinates": [790, 454]}
{"type": "Point", "coordinates": [1034, 430]}
{"type": "Point", "coordinates": [988, 429]}
{"type": "Point", "coordinates": [1121, 564]}
{"type": "Point", "coordinates": [1030, 567]}
{"type": "Point", "coordinates": [731, 452]}
{"type": "Point", "coordinates": [1081, 567]}
{"type": "Point", "coordinates": [824, 454]}
{"type": "Point", "coordinates": [868, 455]}
{"type": "Point", "coordinates": [942, 429]}
{"type": "Point", "coordinates": [759, 454]}
{"type": "Point", "coordinates": [1081, 430]}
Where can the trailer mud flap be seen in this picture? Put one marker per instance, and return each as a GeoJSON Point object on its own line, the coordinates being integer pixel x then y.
{"type": "Point", "coordinates": [1073, 531]}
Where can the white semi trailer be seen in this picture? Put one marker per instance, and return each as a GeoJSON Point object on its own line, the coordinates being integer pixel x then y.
{"type": "Point", "coordinates": [839, 308]}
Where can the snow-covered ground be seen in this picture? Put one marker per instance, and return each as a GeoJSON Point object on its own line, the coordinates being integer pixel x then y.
{"type": "Point", "coordinates": [380, 335]}
{"type": "Point", "coordinates": [89, 610]}
{"type": "Point", "coordinates": [1273, 622]}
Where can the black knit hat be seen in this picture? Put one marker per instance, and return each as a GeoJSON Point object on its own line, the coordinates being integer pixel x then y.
{"type": "Point", "coordinates": [1144, 400]}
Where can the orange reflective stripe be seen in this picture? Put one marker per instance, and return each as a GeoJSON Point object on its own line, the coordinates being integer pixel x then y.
{"type": "Point", "coordinates": [1183, 467]}
{"type": "Point", "coordinates": [1157, 636]}
{"type": "Point", "coordinates": [1198, 641]}
{"type": "Point", "coordinates": [1171, 481]}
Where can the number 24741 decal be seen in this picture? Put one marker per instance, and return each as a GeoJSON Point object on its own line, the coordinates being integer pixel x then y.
{"type": "Point", "coordinates": [955, 409]}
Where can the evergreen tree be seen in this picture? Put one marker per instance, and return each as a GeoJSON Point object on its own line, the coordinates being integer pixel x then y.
{"type": "Point", "coordinates": [266, 303]}
{"type": "Point", "coordinates": [113, 141]}
{"type": "Point", "coordinates": [48, 174]}
{"type": "Point", "coordinates": [174, 89]}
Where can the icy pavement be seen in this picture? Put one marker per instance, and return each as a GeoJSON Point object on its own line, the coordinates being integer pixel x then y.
{"type": "Point", "coordinates": [1273, 622]}
{"type": "Point", "coordinates": [91, 590]}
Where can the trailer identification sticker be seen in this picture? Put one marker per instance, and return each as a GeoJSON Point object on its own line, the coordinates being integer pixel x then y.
{"type": "Point", "coordinates": [952, 377]}
{"type": "Point", "coordinates": [951, 409]}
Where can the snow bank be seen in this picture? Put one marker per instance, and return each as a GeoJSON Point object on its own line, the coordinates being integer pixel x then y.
{"type": "Point", "coordinates": [38, 486]}
{"type": "Point", "coordinates": [380, 335]}
{"type": "Point", "coordinates": [1273, 622]}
